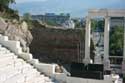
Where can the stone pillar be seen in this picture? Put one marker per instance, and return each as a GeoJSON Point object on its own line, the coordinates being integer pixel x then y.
{"type": "Point", "coordinates": [87, 40]}
{"type": "Point", "coordinates": [123, 62]}
{"type": "Point", "coordinates": [124, 42]}
{"type": "Point", "coordinates": [106, 43]}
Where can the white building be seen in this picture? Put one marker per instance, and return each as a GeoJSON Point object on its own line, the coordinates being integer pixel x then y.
{"type": "Point", "coordinates": [69, 24]}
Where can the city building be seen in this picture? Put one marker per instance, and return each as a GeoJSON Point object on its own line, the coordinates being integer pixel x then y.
{"type": "Point", "coordinates": [52, 18]}
{"type": "Point", "coordinates": [117, 21]}
{"type": "Point", "coordinates": [69, 24]}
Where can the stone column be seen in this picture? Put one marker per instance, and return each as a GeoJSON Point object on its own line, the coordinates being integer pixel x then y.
{"type": "Point", "coordinates": [106, 43]}
{"type": "Point", "coordinates": [124, 42]}
{"type": "Point", "coordinates": [123, 62]}
{"type": "Point", "coordinates": [87, 40]}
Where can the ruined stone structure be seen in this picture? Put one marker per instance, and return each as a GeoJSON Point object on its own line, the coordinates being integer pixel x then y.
{"type": "Point", "coordinates": [57, 45]}
{"type": "Point", "coordinates": [107, 14]}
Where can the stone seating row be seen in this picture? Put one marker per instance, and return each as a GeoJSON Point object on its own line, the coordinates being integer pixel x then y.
{"type": "Point", "coordinates": [15, 70]}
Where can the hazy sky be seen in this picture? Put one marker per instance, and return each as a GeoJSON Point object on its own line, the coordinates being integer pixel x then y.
{"type": "Point", "coordinates": [77, 8]}
{"type": "Point", "coordinates": [24, 1]}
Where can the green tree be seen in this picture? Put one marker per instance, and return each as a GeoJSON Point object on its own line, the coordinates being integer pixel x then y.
{"type": "Point", "coordinates": [97, 24]}
{"type": "Point", "coordinates": [94, 24]}
{"type": "Point", "coordinates": [78, 23]}
{"type": "Point", "coordinates": [27, 17]}
{"type": "Point", "coordinates": [7, 12]}
{"type": "Point", "coordinates": [116, 40]}
{"type": "Point", "coordinates": [51, 22]}
{"type": "Point", "coordinates": [101, 24]}
{"type": "Point", "coordinates": [4, 4]}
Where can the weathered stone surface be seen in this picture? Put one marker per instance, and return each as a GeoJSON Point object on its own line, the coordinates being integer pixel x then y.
{"type": "Point", "coordinates": [57, 45]}
{"type": "Point", "coordinates": [16, 31]}
{"type": "Point", "coordinates": [16, 70]}
{"type": "Point", "coordinates": [3, 25]}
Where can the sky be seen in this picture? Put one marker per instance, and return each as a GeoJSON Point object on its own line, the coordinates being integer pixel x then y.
{"type": "Point", "coordinates": [77, 8]}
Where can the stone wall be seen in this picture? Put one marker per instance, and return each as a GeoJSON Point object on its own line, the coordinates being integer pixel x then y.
{"type": "Point", "coordinates": [57, 45]}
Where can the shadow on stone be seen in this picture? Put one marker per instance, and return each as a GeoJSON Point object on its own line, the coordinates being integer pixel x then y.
{"type": "Point", "coordinates": [90, 71]}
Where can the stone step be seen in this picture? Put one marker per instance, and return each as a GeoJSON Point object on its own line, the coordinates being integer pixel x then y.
{"type": "Point", "coordinates": [6, 67]}
{"type": "Point", "coordinates": [17, 65]}
{"type": "Point", "coordinates": [19, 78]}
{"type": "Point", "coordinates": [47, 79]}
{"type": "Point", "coordinates": [39, 79]}
{"type": "Point", "coordinates": [36, 80]}
{"type": "Point", "coordinates": [49, 82]}
{"type": "Point", "coordinates": [8, 71]}
{"type": "Point", "coordinates": [8, 56]}
{"type": "Point", "coordinates": [7, 74]}
{"type": "Point", "coordinates": [26, 68]}
{"type": "Point", "coordinates": [26, 75]}
{"type": "Point", "coordinates": [23, 67]}
{"type": "Point", "coordinates": [2, 48]}
{"type": "Point", "coordinates": [10, 62]}
{"type": "Point", "coordinates": [6, 60]}
{"type": "Point", "coordinates": [42, 80]}
{"type": "Point", "coordinates": [15, 70]}
{"type": "Point", "coordinates": [4, 52]}
{"type": "Point", "coordinates": [31, 74]}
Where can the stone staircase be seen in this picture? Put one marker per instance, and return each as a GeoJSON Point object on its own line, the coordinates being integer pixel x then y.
{"type": "Point", "coordinates": [16, 70]}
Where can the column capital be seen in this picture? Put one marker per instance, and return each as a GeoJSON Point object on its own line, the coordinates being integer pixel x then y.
{"type": "Point", "coordinates": [88, 17]}
{"type": "Point", "coordinates": [107, 17]}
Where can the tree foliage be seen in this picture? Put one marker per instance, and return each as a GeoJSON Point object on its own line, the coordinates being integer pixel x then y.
{"type": "Point", "coordinates": [5, 3]}
{"type": "Point", "coordinates": [97, 24]}
{"type": "Point", "coordinates": [94, 24]}
{"type": "Point", "coordinates": [116, 40]}
{"type": "Point", "coordinates": [6, 11]}
{"type": "Point", "coordinates": [78, 23]}
{"type": "Point", "coordinates": [27, 17]}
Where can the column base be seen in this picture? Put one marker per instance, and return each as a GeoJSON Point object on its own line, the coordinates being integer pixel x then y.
{"type": "Point", "coordinates": [97, 60]}
{"type": "Point", "coordinates": [123, 66]}
{"type": "Point", "coordinates": [123, 62]}
{"type": "Point", "coordinates": [87, 61]}
{"type": "Point", "coordinates": [106, 64]}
